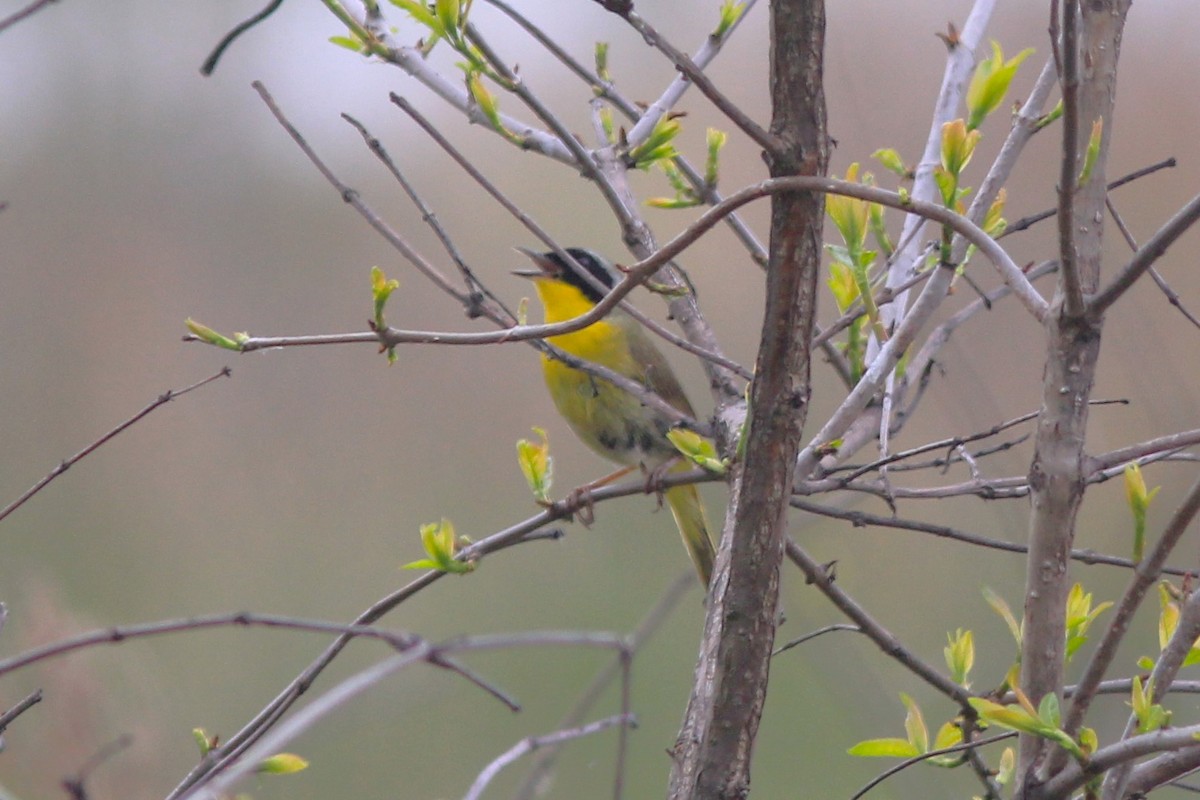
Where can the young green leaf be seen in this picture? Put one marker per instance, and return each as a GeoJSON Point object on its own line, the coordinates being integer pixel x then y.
{"type": "Point", "coordinates": [1001, 607]}
{"type": "Point", "coordinates": [958, 145]}
{"type": "Point", "coordinates": [441, 546]}
{"type": "Point", "coordinates": [1079, 617]}
{"type": "Point", "coordinates": [697, 449]}
{"type": "Point", "coordinates": [849, 214]}
{"type": "Point", "coordinates": [282, 764]}
{"type": "Point", "coordinates": [381, 290]}
{"type": "Point", "coordinates": [892, 162]}
{"type": "Point", "coordinates": [1139, 499]}
{"type": "Point", "coordinates": [884, 748]}
{"type": "Point", "coordinates": [203, 741]}
{"type": "Point", "coordinates": [1007, 767]}
{"type": "Point", "coordinates": [350, 43]}
{"type": "Point", "coordinates": [731, 12]}
{"type": "Point", "coordinates": [914, 724]}
{"type": "Point", "coordinates": [658, 145]}
{"type": "Point", "coordinates": [990, 83]}
{"type": "Point", "coordinates": [960, 656]}
{"type": "Point", "coordinates": [714, 140]}
{"type": "Point", "coordinates": [209, 336]}
{"type": "Point", "coordinates": [536, 465]}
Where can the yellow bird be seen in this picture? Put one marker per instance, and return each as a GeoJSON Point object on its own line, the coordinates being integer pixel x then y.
{"type": "Point", "coordinates": [611, 421]}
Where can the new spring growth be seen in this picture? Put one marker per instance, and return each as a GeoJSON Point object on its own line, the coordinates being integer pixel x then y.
{"type": "Point", "coordinates": [209, 336]}
{"type": "Point", "coordinates": [1150, 715]}
{"type": "Point", "coordinates": [281, 764]}
{"type": "Point", "coordinates": [381, 290]}
{"type": "Point", "coordinates": [990, 83]}
{"type": "Point", "coordinates": [916, 742]}
{"type": "Point", "coordinates": [1079, 617]}
{"type": "Point", "coordinates": [1139, 499]}
{"type": "Point", "coordinates": [1024, 718]}
{"type": "Point", "coordinates": [659, 144]}
{"type": "Point", "coordinates": [442, 547]}
{"type": "Point", "coordinates": [1168, 621]}
{"type": "Point", "coordinates": [537, 466]}
{"type": "Point", "coordinates": [698, 450]}
{"type": "Point", "coordinates": [731, 12]}
{"type": "Point", "coordinates": [960, 656]}
{"type": "Point", "coordinates": [851, 217]}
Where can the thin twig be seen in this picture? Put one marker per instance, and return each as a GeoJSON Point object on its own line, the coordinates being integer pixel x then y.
{"type": "Point", "coordinates": [122, 633]}
{"type": "Point", "coordinates": [475, 287]}
{"type": "Point", "coordinates": [817, 575]}
{"type": "Point", "coordinates": [544, 236]}
{"type": "Point", "coordinates": [210, 63]}
{"type": "Point", "coordinates": [515, 534]}
{"type": "Point", "coordinates": [1146, 256]}
{"type": "Point", "coordinates": [1171, 295]}
{"type": "Point", "coordinates": [696, 75]}
{"type": "Point", "coordinates": [543, 762]}
{"type": "Point", "coordinates": [224, 778]}
{"type": "Point", "coordinates": [1028, 222]}
{"type": "Point", "coordinates": [840, 626]}
{"type": "Point", "coordinates": [860, 519]}
{"type": "Point", "coordinates": [532, 744]}
{"type": "Point", "coordinates": [20, 14]}
{"type": "Point", "coordinates": [496, 313]}
{"type": "Point", "coordinates": [908, 762]}
{"type": "Point", "coordinates": [74, 785]}
{"type": "Point", "coordinates": [7, 718]}
{"type": "Point", "coordinates": [67, 463]}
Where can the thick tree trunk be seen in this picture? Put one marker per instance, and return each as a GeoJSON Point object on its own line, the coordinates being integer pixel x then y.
{"type": "Point", "coordinates": [712, 754]}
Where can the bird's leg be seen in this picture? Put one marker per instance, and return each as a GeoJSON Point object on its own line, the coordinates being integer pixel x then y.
{"type": "Point", "coordinates": [655, 476]}
{"type": "Point", "coordinates": [580, 498]}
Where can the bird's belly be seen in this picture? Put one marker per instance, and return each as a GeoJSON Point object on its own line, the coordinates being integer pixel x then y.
{"type": "Point", "coordinates": [611, 421]}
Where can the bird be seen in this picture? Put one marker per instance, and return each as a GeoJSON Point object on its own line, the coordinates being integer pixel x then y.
{"type": "Point", "coordinates": [610, 420]}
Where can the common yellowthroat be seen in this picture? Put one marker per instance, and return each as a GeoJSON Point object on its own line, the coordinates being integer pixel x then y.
{"type": "Point", "coordinates": [610, 420]}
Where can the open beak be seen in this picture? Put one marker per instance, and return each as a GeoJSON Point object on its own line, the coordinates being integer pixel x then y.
{"type": "Point", "coordinates": [545, 267]}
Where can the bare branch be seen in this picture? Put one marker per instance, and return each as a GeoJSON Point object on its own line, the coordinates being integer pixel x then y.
{"type": "Point", "coordinates": [210, 63]}
{"type": "Point", "coordinates": [1024, 223]}
{"type": "Point", "coordinates": [818, 576]}
{"type": "Point", "coordinates": [1171, 295]}
{"type": "Point", "coordinates": [543, 762]}
{"type": "Point", "coordinates": [1146, 256]}
{"type": "Point", "coordinates": [30, 700]}
{"type": "Point", "coordinates": [522, 531]}
{"type": "Point", "coordinates": [859, 519]}
{"type": "Point", "coordinates": [1163, 769]}
{"type": "Point", "coordinates": [695, 74]}
{"type": "Point", "coordinates": [841, 626]}
{"type": "Point", "coordinates": [123, 633]}
{"type": "Point", "coordinates": [67, 463]}
{"type": "Point", "coordinates": [533, 743]}
{"type": "Point", "coordinates": [713, 750]}
{"type": "Point", "coordinates": [223, 779]}
{"type": "Point", "coordinates": [22, 13]}
{"type": "Point", "coordinates": [1074, 776]}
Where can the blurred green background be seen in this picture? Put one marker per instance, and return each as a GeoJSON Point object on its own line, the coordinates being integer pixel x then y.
{"type": "Point", "coordinates": [140, 193]}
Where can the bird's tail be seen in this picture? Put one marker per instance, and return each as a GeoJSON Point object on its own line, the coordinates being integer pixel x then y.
{"type": "Point", "coordinates": [689, 515]}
